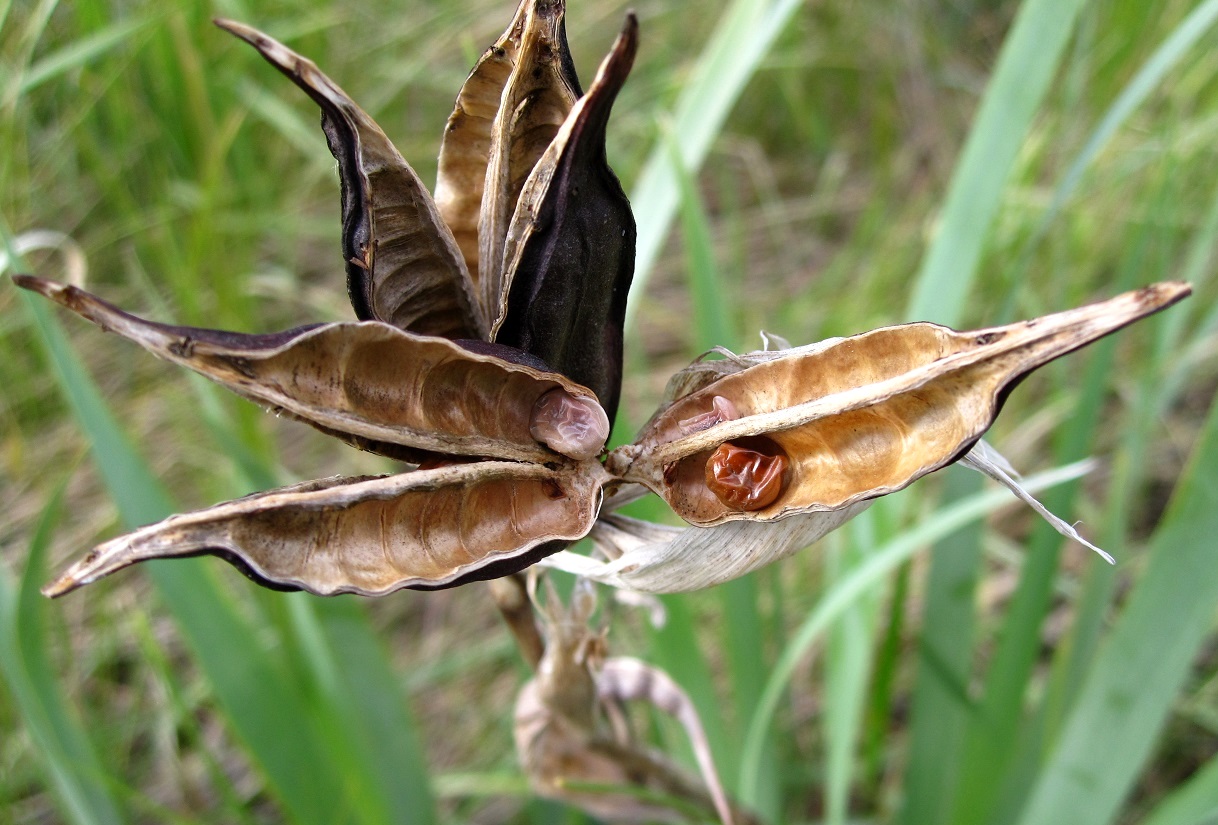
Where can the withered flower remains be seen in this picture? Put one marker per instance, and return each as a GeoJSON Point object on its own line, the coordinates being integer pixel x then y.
{"type": "Point", "coordinates": [488, 357]}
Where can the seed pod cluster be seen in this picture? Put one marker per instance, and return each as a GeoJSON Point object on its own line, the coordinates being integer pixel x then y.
{"type": "Point", "coordinates": [489, 356]}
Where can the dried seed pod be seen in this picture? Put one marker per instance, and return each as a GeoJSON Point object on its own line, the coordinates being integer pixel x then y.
{"type": "Point", "coordinates": [746, 479]}
{"type": "Point", "coordinates": [461, 177]}
{"type": "Point", "coordinates": [572, 425]}
{"type": "Point", "coordinates": [368, 382]}
{"type": "Point", "coordinates": [866, 415]}
{"type": "Point", "coordinates": [403, 265]}
{"type": "Point", "coordinates": [570, 248]}
{"type": "Point", "coordinates": [536, 100]}
{"type": "Point", "coordinates": [423, 530]}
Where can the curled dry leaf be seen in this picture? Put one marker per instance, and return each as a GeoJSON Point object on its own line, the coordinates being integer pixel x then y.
{"type": "Point", "coordinates": [383, 387]}
{"type": "Point", "coordinates": [403, 265]}
{"type": "Point", "coordinates": [865, 416]}
{"type": "Point", "coordinates": [421, 530]}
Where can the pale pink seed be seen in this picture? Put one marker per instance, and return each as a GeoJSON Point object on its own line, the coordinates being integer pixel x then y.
{"type": "Point", "coordinates": [722, 409]}
{"type": "Point", "coordinates": [573, 425]}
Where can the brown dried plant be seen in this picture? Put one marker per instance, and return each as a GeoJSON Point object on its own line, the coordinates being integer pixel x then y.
{"type": "Point", "coordinates": [488, 358]}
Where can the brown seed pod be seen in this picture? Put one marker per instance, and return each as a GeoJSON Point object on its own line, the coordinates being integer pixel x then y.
{"type": "Point", "coordinates": [746, 479]}
{"type": "Point", "coordinates": [367, 382]}
{"type": "Point", "coordinates": [536, 100]}
{"type": "Point", "coordinates": [867, 415]}
{"type": "Point", "coordinates": [423, 530]}
{"type": "Point", "coordinates": [570, 249]}
{"type": "Point", "coordinates": [403, 265]}
{"type": "Point", "coordinates": [461, 177]}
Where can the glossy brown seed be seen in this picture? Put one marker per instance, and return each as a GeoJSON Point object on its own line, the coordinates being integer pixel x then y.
{"type": "Point", "coordinates": [745, 479]}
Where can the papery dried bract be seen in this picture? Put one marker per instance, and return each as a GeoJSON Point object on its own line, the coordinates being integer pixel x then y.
{"type": "Point", "coordinates": [403, 264]}
{"type": "Point", "coordinates": [570, 248]}
{"type": "Point", "coordinates": [867, 415]}
{"type": "Point", "coordinates": [368, 382]}
{"type": "Point", "coordinates": [564, 740]}
{"type": "Point", "coordinates": [422, 530]}
{"type": "Point", "coordinates": [654, 558]}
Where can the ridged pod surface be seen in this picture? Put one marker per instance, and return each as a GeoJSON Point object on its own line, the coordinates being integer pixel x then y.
{"type": "Point", "coordinates": [426, 529]}
{"type": "Point", "coordinates": [367, 380]}
{"type": "Point", "coordinates": [403, 265]}
{"type": "Point", "coordinates": [866, 415]}
{"type": "Point", "coordinates": [537, 98]}
{"type": "Point", "coordinates": [461, 176]}
{"type": "Point", "coordinates": [570, 247]}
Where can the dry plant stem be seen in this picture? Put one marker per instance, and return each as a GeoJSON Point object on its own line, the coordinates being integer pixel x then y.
{"type": "Point", "coordinates": [512, 598]}
{"type": "Point", "coordinates": [570, 753]}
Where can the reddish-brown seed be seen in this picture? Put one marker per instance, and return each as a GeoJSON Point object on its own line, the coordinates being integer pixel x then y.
{"type": "Point", "coordinates": [745, 479]}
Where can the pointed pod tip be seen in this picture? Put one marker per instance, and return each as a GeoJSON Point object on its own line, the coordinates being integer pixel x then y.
{"type": "Point", "coordinates": [61, 586]}
{"type": "Point", "coordinates": [1165, 293]}
{"type": "Point", "coordinates": [35, 284]}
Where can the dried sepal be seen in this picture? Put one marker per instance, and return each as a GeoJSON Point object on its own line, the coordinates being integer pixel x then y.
{"type": "Point", "coordinates": [570, 249]}
{"type": "Point", "coordinates": [986, 460]}
{"type": "Point", "coordinates": [653, 558]}
{"type": "Point", "coordinates": [867, 415]}
{"type": "Point", "coordinates": [575, 747]}
{"type": "Point", "coordinates": [367, 382]}
{"type": "Point", "coordinates": [424, 530]}
{"type": "Point", "coordinates": [403, 265]}
{"type": "Point", "coordinates": [461, 177]}
{"type": "Point", "coordinates": [536, 99]}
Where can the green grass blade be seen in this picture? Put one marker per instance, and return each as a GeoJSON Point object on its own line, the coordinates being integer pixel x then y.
{"type": "Point", "coordinates": [745, 33]}
{"type": "Point", "coordinates": [75, 771]}
{"type": "Point", "coordinates": [1165, 58]}
{"type": "Point", "coordinates": [711, 323]}
{"type": "Point", "coordinates": [79, 53]}
{"type": "Point", "coordinates": [1029, 59]}
{"type": "Point", "coordinates": [267, 711]}
{"type": "Point", "coordinates": [941, 706]}
{"type": "Point", "coordinates": [880, 562]}
{"type": "Point", "coordinates": [1193, 803]}
{"type": "Point", "coordinates": [1143, 663]}
{"type": "Point", "coordinates": [848, 662]}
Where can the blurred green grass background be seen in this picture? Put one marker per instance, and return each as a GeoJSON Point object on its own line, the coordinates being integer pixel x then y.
{"type": "Point", "coordinates": [825, 168]}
